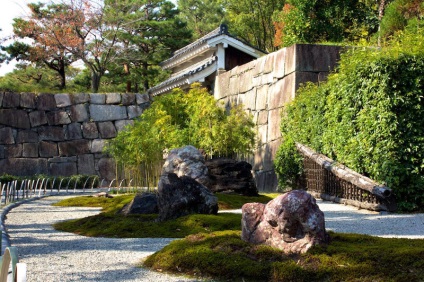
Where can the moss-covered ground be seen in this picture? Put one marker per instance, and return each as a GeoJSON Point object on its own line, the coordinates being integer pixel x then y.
{"type": "Point", "coordinates": [212, 247]}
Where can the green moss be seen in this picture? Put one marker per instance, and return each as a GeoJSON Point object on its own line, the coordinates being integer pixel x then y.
{"type": "Point", "coordinates": [349, 257]}
{"type": "Point", "coordinates": [235, 201]}
{"type": "Point", "coordinates": [108, 204]}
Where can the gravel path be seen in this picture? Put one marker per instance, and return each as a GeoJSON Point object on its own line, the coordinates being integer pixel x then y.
{"type": "Point", "coordinates": [51, 255]}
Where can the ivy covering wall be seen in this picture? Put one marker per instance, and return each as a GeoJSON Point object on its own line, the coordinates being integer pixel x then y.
{"type": "Point", "coordinates": [369, 116]}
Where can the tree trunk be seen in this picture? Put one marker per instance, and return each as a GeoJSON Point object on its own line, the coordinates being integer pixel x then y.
{"type": "Point", "coordinates": [127, 73]}
{"type": "Point", "coordinates": [146, 79]}
{"type": "Point", "coordinates": [95, 82]}
{"type": "Point", "coordinates": [62, 77]}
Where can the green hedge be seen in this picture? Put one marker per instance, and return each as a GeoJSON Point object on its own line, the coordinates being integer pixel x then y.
{"type": "Point", "coordinates": [368, 116]}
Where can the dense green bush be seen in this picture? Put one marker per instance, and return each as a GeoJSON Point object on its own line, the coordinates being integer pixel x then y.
{"type": "Point", "coordinates": [368, 116]}
{"type": "Point", "coordinates": [178, 119]}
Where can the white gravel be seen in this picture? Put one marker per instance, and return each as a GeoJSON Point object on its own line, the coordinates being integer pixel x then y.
{"type": "Point", "coordinates": [51, 255]}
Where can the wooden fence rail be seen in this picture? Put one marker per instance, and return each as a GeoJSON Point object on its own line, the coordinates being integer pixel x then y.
{"type": "Point", "coordinates": [330, 181]}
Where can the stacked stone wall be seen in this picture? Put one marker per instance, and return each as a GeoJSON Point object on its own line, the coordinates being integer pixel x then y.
{"type": "Point", "coordinates": [264, 87]}
{"type": "Point", "coordinates": [63, 134]}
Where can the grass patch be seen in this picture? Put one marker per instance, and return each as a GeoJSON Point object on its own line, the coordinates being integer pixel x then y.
{"type": "Point", "coordinates": [235, 201]}
{"type": "Point", "coordinates": [349, 257]}
{"type": "Point", "coordinates": [109, 205]}
{"type": "Point", "coordinates": [145, 226]}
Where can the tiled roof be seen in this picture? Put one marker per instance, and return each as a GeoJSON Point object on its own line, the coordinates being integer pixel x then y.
{"type": "Point", "coordinates": [196, 68]}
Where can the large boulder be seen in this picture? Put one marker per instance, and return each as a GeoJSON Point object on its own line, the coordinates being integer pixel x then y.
{"type": "Point", "coordinates": [145, 203]}
{"type": "Point", "coordinates": [291, 222]}
{"type": "Point", "coordinates": [187, 161]}
{"type": "Point", "coordinates": [231, 175]}
{"type": "Point", "coordinates": [180, 196]}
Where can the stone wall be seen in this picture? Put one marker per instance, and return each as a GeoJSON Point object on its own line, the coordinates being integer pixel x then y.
{"type": "Point", "coordinates": [63, 134]}
{"type": "Point", "coordinates": [264, 87]}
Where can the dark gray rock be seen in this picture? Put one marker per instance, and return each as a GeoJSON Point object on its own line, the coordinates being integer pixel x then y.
{"type": "Point", "coordinates": [62, 100]}
{"type": "Point", "coordinates": [73, 131]}
{"type": "Point", "coordinates": [38, 118]}
{"type": "Point", "coordinates": [121, 124]}
{"type": "Point", "coordinates": [113, 98]}
{"type": "Point", "coordinates": [62, 169]}
{"type": "Point", "coordinates": [142, 98]}
{"type": "Point", "coordinates": [80, 98]}
{"type": "Point", "coordinates": [14, 118]}
{"type": "Point", "coordinates": [128, 99]}
{"type": "Point", "coordinates": [13, 151]}
{"type": "Point", "coordinates": [97, 98]}
{"type": "Point", "coordinates": [24, 166]}
{"type": "Point", "coordinates": [78, 113]}
{"type": "Point", "coordinates": [86, 164]}
{"type": "Point", "coordinates": [26, 136]}
{"type": "Point", "coordinates": [292, 222]}
{"type": "Point", "coordinates": [1, 98]}
{"type": "Point", "coordinates": [51, 133]}
{"type": "Point", "coordinates": [106, 167]}
{"type": "Point", "coordinates": [46, 101]}
{"type": "Point", "coordinates": [30, 150]}
{"type": "Point", "coordinates": [28, 100]}
{"type": "Point", "coordinates": [11, 100]}
{"type": "Point", "coordinates": [107, 130]}
{"type": "Point", "coordinates": [89, 130]}
{"type": "Point", "coordinates": [74, 147]}
{"type": "Point", "coordinates": [97, 145]}
{"type": "Point", "coordinates": [1, 152]}
{"type": "Point", "coordinates": [48, 149]}
{"type": "Point", "coordinates": [180, 196]}
{"type": "Point", "coordinates": [58, 118]}
{"type": "Point", "coordinates": [146, 203]}
{"type": "Point", "coordinates": [6, 136]}
{"type": "Point", "coordinates": [134, 111]}
{"type": "Point", "coordinates": [231, 175]}
{"type": "Point", "coordinates": [107, 112]}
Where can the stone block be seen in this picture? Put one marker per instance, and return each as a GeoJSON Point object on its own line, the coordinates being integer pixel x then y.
{"type": "Point", "coordinates": [37, 118]}
{"type": "Point", "coordinates": [113, 98]}
{"type": "Point", "coordinates": [250, 100]}
{"type": "Point", "coordinates": [107, 130]}
{"type": "Point", "coordinates": [73, 131]}
{"type": "Point", "coordinates": [14, 118]}
{"type": "Point", "coordinates": [58, 118]}
{"type": "Point", "coordinates": [260, 65]}
{"type": "Point", "coordinates": [1, 152]}
{"type": "Point", "coordinates": [46, 101]}
{"type": "Point", "coordinates": [62, 100]}
{"type": "Point", "coordinates": [262, 117]}
{"type": "Point", "coordinates": [268, 66]}
{"type": "Point", "coordinates": [262, 98]}
{"type": "Point", "coordinates": [262, 134]}
{"type": "Point", "coordinates": [268, 154]}
{"type": "Point", "coordinates": [51, 133]}
{"type": "Point", "coordinates": [279, 63]}
{"type": "Point", "coordinates": [1, 99]}
{"type": "Point", "coordinates": [80, 98]}
{"type": "Point", "coordinates": [290, 61]}
{"type": "Point", "coordinates": [30, 150]}
{"type": "Point", "coordinates": [128, 99]}
{"type": "Point", "coordinates": [27, 136]}
{"type": "Point", "coordinates": [234, 86]}
{"type": "Point", "coordinates": [97, 145]}
{"type": "Point", "coordinates": [107, 112]}
{"type": "Point", "coordinates": [106, 167]}
{"type": "Point", "coordinates": [78, 113]}
{"type": "Point", "coordinates": [63, 159]}
{"type": "Point", "coordinates": [28, 100]}
{"type": "Point", "coordinates": [282, 92]}
{"type": "Point", "coordinates": [86, 164]}
{"type": "Point", "coordinates": [47, 149]}
{"type": "Point", "coordinates": [74, 147]}
{"type": "Point", "coordinates": [142, 98]}
{"type": "Point", "coordinates": [246, 81]}
{"type": "Point", "coordinates": [6, 136]}
{"type": "Point", "coordinates": [121, 124]}
{"type": "Point", "coordinates": [274, 120]}
{"type": "Point", "coordinates": [134, 111]}
{"type": "Point", "coordinates": [62, 169]}
{"type": "Point", "coordinates": [89, 130]}
{"type": "Point", "coordinates": [23, 166]}
{"type": "Point", "coordinates": [13, 151]}
{"type": "Point", "coordinates": [317, 58]}
{"type": "Point", "coordinates": [222, 84]}
{"type": "Point", "coordinates": [303, 77]}
{"type": "Point", "coordinates": [11, 100]}
{"type": "Point", "coordinates": [97, 98]}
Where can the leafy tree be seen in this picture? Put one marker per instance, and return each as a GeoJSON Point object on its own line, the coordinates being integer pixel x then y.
{"type": "Point", "coordinates": [314, 21]}
{"type": "Point", "coordinates": [251, 20]}
{"type": "Point", "coordinates": [179, 119]}
{"type": "Point", "coordinates": [44, 25]}
{"type": "Point", "coordinates": [202, 16]}
{"type": "Point", "coordinates": [147, 32]}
